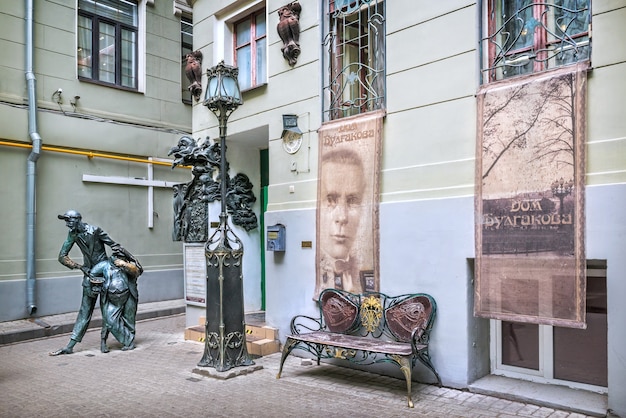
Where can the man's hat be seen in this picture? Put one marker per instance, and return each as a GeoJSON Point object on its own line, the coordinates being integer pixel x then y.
{"type": "Point", "coordinates": [70, 214]}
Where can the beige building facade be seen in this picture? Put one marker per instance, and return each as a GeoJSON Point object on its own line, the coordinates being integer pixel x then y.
{"type": "Point", "coordinates": [105, 135]}
{"type": "Point", "coordinates": [425, 62]}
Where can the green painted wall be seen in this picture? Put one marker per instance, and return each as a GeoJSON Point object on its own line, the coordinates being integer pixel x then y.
{"type": "Point", "coordinates": [105, 120]}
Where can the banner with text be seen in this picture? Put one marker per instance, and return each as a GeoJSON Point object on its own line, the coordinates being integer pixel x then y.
{"type": "Point", "coordinates": [347, 204]}
{"type": "Point", "coordinates": [530, 177]}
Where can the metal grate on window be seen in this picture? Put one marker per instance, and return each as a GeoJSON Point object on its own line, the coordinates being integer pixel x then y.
{"type": "Point", "coordinates": [528, 36]}
{"type": "Point", "coordinates": [355, 44]}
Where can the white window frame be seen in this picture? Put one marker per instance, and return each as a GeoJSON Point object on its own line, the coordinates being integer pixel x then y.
{"type": "Point", "coordinates": [546, 361]}
{"type": "Point", "coordinates": [254, 82]}
{"type": "Point", "coordinates": [186, 96]}
{"type": "Point", "coordinates": [545, 373]}
{"type": "Point", "coordinates": [223, 35]}
{"type": "Point", "coordinates": [141, 44]}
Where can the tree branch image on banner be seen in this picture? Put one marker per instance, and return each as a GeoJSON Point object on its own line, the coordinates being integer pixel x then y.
{"type": "Point", "coordinates": [347, 204]}
{"type": "Point", "coordinates": [530, 177]}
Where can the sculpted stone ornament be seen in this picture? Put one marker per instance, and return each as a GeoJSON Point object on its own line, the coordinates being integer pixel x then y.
{"type": "Point", "coordinates": [289, 31]}
{"type": "Point", "coordinates": [113, 279]}
{"type": "Point", "coordinates": [190, 199]}
{"type": "Point", "coordinates": [193, 71]}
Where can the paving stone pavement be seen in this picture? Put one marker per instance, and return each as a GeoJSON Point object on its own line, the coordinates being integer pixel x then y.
{"type": "Point", "coordinates": [156, 380]}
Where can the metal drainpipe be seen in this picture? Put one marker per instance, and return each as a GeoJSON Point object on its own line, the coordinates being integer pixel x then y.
{"type": "Point", "coordinates": [31, 168]}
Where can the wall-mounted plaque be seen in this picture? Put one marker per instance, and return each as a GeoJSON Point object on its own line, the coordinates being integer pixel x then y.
{"type": "Point", "coordinates": [195, 274]}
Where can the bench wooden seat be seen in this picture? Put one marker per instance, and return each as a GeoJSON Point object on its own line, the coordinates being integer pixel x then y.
{"type": "Point", "coordinates": [366, 329]}
{"type": "Point", "coordinates": [356, 343]}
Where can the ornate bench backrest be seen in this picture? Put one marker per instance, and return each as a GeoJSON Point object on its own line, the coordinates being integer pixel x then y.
{"type": "Point", "coordinates": [377, 314]}
{"type": "Point", "coordinates": [405, 315]}
{"type": "Point", "coordinates": [340, 311]}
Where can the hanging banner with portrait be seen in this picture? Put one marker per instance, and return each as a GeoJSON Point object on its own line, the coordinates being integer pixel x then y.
{"type": "Point", "coordinates": [347, 204]}
{"type": "Point", "coordinates": [530, 178]}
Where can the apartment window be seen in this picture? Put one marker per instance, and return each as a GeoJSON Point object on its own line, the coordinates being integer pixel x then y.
{"type": "Point", "coordinates": [107, 42]}
{"type": "Point", "coordinates": [186, 42]}
{"type": "Point", "coordinates": [356, 57]}
{"type": "Point", "coordinates": [250, 40]}
{"type": "Point", "coordinates": [527, 36]}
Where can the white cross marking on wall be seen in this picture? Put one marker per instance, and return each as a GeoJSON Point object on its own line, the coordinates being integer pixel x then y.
{"type": "Point", "coordinates": [150, 183]}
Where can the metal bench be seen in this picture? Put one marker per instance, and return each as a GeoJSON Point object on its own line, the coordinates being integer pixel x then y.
{"type": "Point", "coordinates": [366, 329]}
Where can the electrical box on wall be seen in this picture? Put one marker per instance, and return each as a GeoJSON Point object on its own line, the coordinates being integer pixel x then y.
{"type": "Point", "coordinates": [276, 237]}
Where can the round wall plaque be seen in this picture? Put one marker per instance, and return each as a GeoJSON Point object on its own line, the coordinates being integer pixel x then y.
{"type": "Point", "coordinates": [292, 142]}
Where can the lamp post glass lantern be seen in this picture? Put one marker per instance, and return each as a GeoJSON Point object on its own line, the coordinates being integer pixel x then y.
{"type": "Point", "coordinates": [225, 328]}
{"type": "Point", "coordinates": [222, 91]}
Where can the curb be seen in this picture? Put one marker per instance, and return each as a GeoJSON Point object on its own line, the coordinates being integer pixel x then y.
{"type": "Point", "coordinates": [46, 330]}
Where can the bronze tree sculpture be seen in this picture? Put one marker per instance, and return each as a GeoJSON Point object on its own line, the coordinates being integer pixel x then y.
{"type": "Point", "coordinates": [190, 199]}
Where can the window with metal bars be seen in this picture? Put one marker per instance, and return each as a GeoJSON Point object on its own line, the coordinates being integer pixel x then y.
{"type": "Point", "coordinates": [525, 36]}
{"type": "Point", "coordinates": [355, 45]}
{"type": "Point", "coordinates": [107, 42]}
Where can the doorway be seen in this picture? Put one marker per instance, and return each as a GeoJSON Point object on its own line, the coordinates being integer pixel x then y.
{"type": "Point", "coordinates": [556, 355]}
{"type": "Point", "coordinates": [265, 181]}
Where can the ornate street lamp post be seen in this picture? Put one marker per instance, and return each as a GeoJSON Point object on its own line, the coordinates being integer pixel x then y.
{"type": "Point", "coordinates": [561, 189]}
{"type": "Point", "coordinates": [225, 336]}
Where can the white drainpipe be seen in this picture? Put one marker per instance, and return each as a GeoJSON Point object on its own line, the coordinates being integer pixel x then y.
{"type": "Point", "coordinates": [31, 168]}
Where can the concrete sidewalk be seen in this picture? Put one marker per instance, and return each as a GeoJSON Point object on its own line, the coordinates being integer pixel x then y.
{"type": "Point", "coordinates": [158, 379]}
{"type": "Point", "coordinates": [48, 326]}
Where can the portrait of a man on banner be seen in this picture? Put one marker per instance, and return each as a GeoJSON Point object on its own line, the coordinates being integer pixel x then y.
{"type": "Point", "coordinates": [347, 205]}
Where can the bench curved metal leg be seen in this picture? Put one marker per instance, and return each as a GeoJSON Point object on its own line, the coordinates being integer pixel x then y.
{"type": "Point", "coordinates": [289, 345]}
{"type": "Point", "coordinates": [405, 366]}
{"type": "Point", "coordinates": [424, 357]}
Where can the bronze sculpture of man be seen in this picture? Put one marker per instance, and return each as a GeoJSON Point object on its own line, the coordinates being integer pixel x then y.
{"type": "Point", "coordinates": [92, 241]}
{"type": "Point", "coordinates": [118, 297]}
